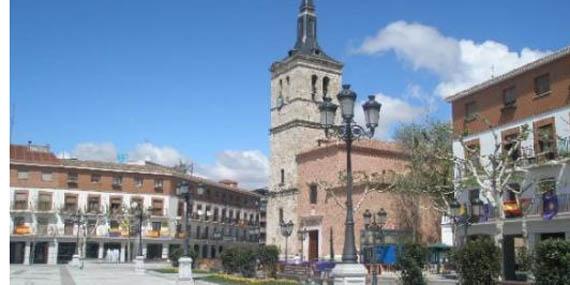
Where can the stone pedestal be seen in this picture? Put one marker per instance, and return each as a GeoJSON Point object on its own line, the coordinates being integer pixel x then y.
{"type": "Point", "coordinates": [185, 271]}
{"type": "Point", "coordinates": [75, 261]}
{"type": "Point", "coordinates": [139, 264]}
{"type": "Point", "coordinates": [349, 274]}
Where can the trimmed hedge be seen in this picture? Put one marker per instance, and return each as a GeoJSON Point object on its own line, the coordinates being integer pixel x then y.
{"type": "Point", "coordinates": [178, 253]}
{"type": "Point", "coordinates": [478, 262]}
{"type": "Point", "coordinates": [552, 262]}
{"type": "Point", "coordinates": [244, 260]}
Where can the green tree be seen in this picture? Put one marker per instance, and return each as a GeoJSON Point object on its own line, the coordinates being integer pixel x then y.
{"type": "Point", "coordinates": [412, 258]}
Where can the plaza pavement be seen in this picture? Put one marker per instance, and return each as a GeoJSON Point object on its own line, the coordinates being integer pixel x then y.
{"type": "Point", "coordinates": [91, 274]}
{"type": "Point", "coordinates": [95, 273]}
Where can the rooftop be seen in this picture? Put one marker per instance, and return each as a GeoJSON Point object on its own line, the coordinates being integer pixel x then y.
{"type": "Point", "coordinates": [515, 72]}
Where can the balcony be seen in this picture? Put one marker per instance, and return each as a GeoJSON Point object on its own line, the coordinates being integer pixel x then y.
{"type": "Point", "coordinates": [153, 234]}
{"type": "Point", "coordinates": [20, 206]}
{"type": "Point", "coordinates": [533, 207]}
{"type": "Point", "coordinates": [23, 230]}
{"type": "Point", "coordinates": [44, 206]}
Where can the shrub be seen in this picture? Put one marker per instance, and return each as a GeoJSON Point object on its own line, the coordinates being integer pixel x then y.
{"type": "Point", "coordinates": [268, 256]}
{"type": "Point", "coordinates": [552, 262]}
{"type": "Point", "coordinates": [411, 260]}
{"type": "Point", "coordinates": [478, 262]}
{"type": "Point", "coordinates": [179, 252]}
{"type": "Point", "coordinates": [239, 260]}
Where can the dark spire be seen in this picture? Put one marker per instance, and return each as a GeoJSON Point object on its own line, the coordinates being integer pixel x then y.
{"type": "Point", "coordinates": [307, 31]}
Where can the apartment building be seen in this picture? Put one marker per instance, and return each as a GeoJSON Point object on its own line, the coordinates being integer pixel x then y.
{"type": "Point", "coordinates": [536, 95]}
{"type": "Point", "coordinates": [61, 206]}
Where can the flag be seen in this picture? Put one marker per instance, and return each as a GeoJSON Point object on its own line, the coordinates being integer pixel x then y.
{"type": "Point", "coordinates": [549, 205]}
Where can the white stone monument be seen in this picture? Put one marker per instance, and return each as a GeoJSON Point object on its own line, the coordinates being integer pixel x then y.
{"type": "Point", "coordinates": [139, 264]}
{"type": "Point", "coordinates": [185, 271]}
{"type": "Point", "coordinates": [75, 261]}
{"type": "Point", "coordinates": [349, 274]}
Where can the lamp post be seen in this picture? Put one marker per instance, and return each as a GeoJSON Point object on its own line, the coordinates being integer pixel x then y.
{"type": "Point", "coordinates": [466, 217]}
{"type": "Point", "coordinates": [185, 262]}
{"type": "Point", "coordinates": [374, 226]}
{"type": "Point", "coordinates": [286, 231]}
{"type": "Point", "coordinates": [301, 235]}
{"type": "Point", "coordinates": [348, 131]}
{"type": "Point", "coordinates": [78, 220]}
{"type": "Point", "coordinates": [183, 191]}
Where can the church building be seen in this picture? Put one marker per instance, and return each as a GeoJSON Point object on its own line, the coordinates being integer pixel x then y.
{"type": "Point", "coordinates": [302, 159]}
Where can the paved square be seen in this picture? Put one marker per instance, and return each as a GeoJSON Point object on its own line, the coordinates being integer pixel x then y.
{"type": "Point", "coordinates": [92, 273]}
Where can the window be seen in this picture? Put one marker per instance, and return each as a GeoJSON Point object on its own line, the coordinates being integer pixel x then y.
{"type": "Point", "coordinates": [180, 208]}
{"type": "Point", "coordinates": [114, 224]}
{"type": "Point", "coordinates": [313, 194]}
{"type": "Point", "coordinates": [509, 96]}
{"type": "Point", "coordinates": [72, 177]}
{"type": "Point", "coordinates": [42, 226]}
{"type": "Point", "coordinates": [95, 178]}
{"type": "Point", "coordinates": [542, 84]}
{"type": "Point", "coordinates": [314, 80]}
{"type": "Point", "coordinates": [509, 141]}
{"type": "Point", "coordinates": [473, 195]}
{"type": "Point", "coordinates": [207, 215]}
{"type": "Point", "coordinates": [91, 226]}
{"type": "Point", "coordinates": [139, 201]}
{"type": "Point", "coordinates": [280, 215]}
{"type": "Point", "coordinates": [224, 215]}
{"type": "Point", "coordinates": [117, 181]}
{"type": "Point", "coordinates": [47, 176]}
{"type": "Point", "coordinates": [44, 201]}
{"type": "Point", "coordinates": [282, 176]}
{"type": "Point", "coordinates": [472, 152]}
{"type": "Point", "coordinates": [325, 85]}
{"type": "Point", "coordinates": [215, 214]}
{"type": "Point", "coordinates": [93, 203]}
{"type": "Point", "coordinates": [116, 204]}
{"type": "Point", "coordinates": [156, 226]}
{"type": "Point", "coordinates": [158, 183]}
{"type": "Point", "coordinates": [157, 207]}
{"type": "Point", "coordinates": [138, 182]}
{"type": "Point", "coordinates": [470, 111]}
{"type": "Point", "coordinates": [198, 236]}
{"type": "Point", "coordinates": [546, 143]}
{"type": "Point", "coordinates": [70, 203]}
{"type": "Point", "coordinates": [22, 174]}
{"type": "Point", "coordinates": [68, 227]}
{"type": "Point", "coordinates": [206, 232]}
{"type": "Point", "coordinates": [21, 200]}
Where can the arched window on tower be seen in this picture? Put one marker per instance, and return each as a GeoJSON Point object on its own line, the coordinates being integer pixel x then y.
{"type": "Point", "coordinates": [314, 80]}
{"type": "Point", "coordinates": [325, 86]}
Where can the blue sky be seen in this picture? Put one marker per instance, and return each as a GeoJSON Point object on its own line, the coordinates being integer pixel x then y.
{"type": "Point", "coordinates": [171, 80]}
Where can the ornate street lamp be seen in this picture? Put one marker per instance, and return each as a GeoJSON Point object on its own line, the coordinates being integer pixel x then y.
{"type": "Point", "coordinates": [183, 190]}
{"type": "Point", "coordinates": [138, 212]}
{"type": "Point", "coordinates": [348, 131]}
{"type": "Point", "coordinates": [301, 235]}
{"type": "Point", "coordinates": [374, 225]}
{"type": "Point", "coordinates": [286, 231]}
{"type": "Point", "coordinates": [465, 218]}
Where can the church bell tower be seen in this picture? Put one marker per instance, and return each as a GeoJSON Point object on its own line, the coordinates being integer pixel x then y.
{"type": "Point", "coordinates": [298, 84]}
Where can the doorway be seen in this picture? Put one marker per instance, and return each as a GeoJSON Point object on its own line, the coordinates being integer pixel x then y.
{"type": "Point", "coordinates": [65, 252]}
{"type": "Point", "coordinates": [92, 250]}
{"type": "Point", "coordinates": [17, 250]}
{"type": "Point", "coordinates": [40, 252]}
{"type": "Point", "coordinates": [154, 251]}
{"type": "Point", "coordinates": [313, 245]}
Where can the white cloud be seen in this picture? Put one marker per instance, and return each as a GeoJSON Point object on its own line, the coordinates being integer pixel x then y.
{"type": "Point", "coordinates": [95, 151]}
{"type": "Point", "coordinates": [394, 111]}
{"type": "Point", "coordinates": [459, 63]}
{"type": "Point", "coordinates": [164, 155]}
{"type": "Point", "coordinates": [249, 167]}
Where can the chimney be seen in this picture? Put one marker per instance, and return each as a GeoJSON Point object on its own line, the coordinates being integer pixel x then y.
{"type": "Point", "coordinates": [229, 183]}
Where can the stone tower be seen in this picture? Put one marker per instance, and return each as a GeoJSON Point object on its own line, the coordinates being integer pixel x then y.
{"type": "Point", "coordinates": [298, 83]}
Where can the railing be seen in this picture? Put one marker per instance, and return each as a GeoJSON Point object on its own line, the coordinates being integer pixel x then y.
{"type": "Point", "coordinates": [44, 206]}
{"type": "Point", "coordinates": [20, 205]}
{"type": "Point", "coordinates": [22, 230]}
{"type": "Point", "coordinates": [530, 207]}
